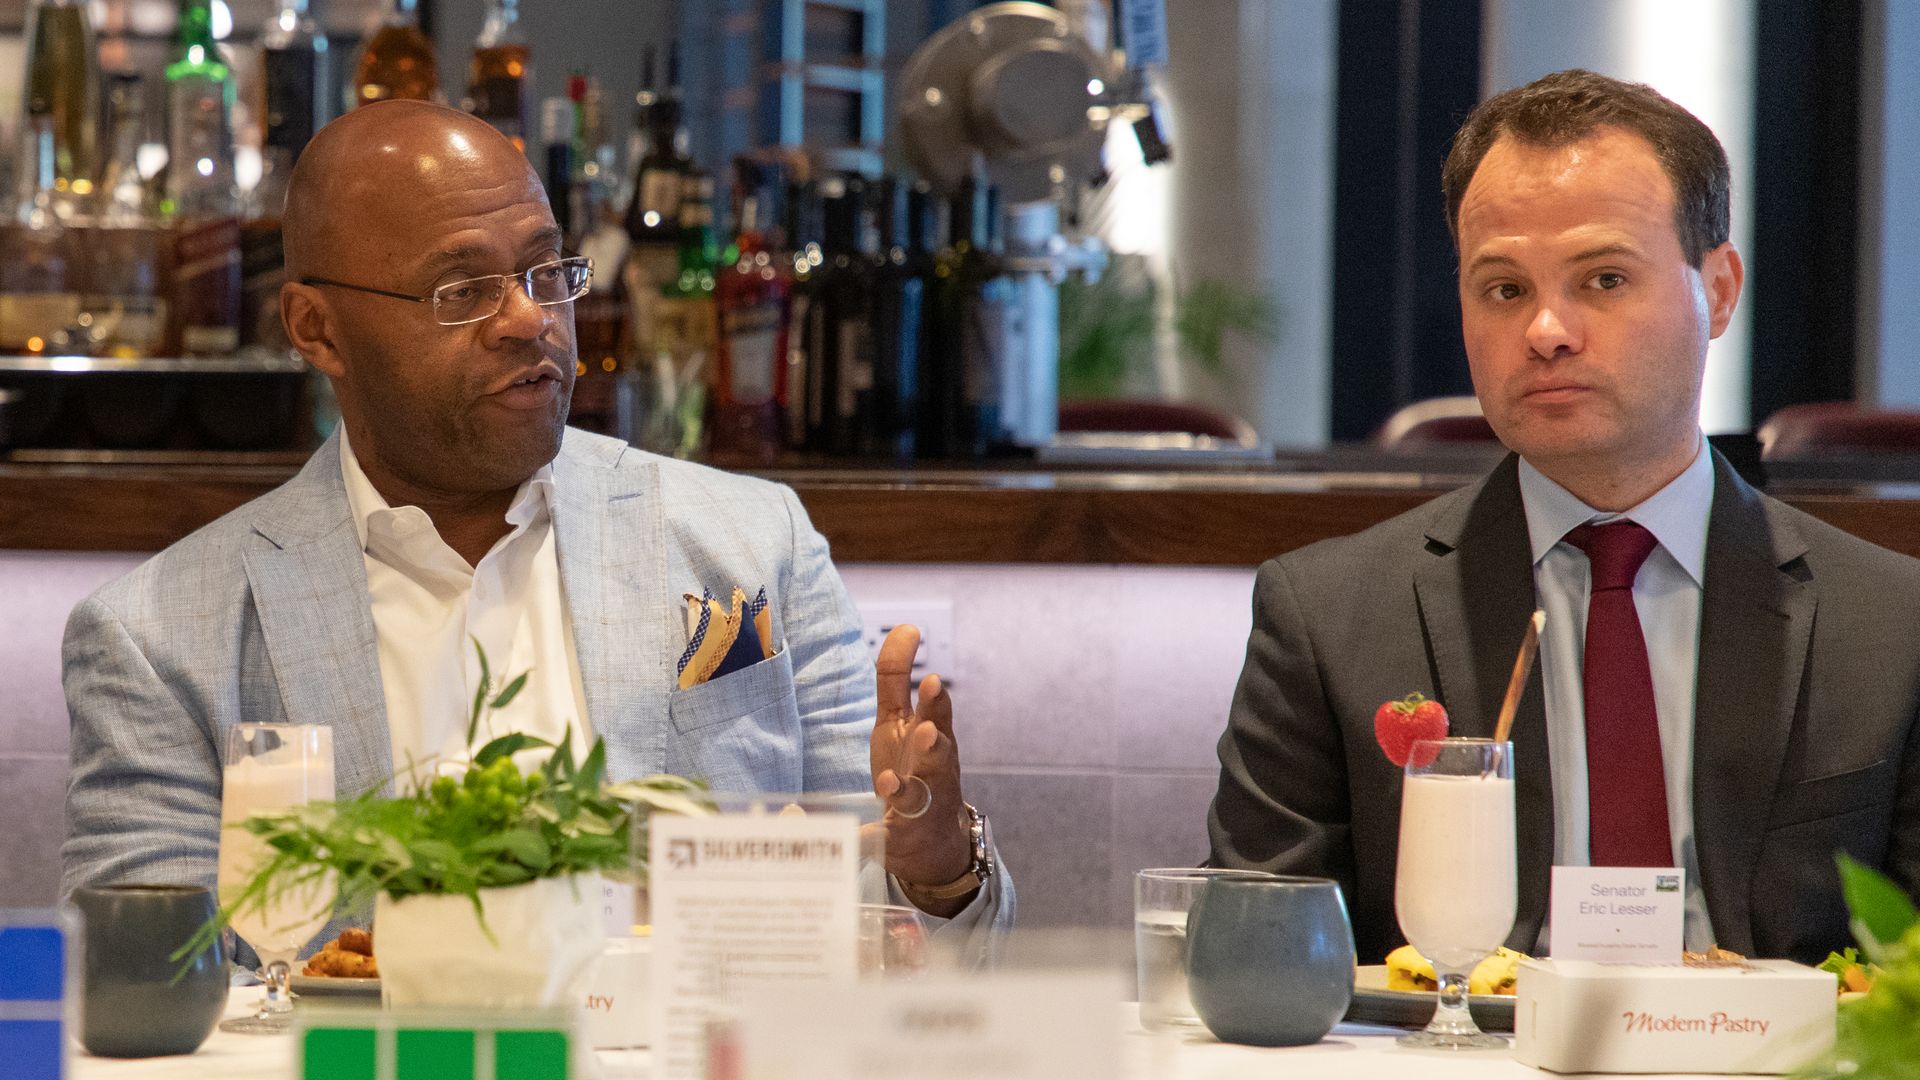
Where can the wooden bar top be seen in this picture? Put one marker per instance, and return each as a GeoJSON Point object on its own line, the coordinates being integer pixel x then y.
{"type": "Point", "coordinates": [1192, 517]}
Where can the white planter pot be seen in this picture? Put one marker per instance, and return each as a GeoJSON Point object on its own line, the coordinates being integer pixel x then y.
{"type": "Point", "coordinates": [547, 936]}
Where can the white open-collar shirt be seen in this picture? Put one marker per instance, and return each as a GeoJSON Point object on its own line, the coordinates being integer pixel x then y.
{"type": "Point", "coordinates": [1666, 596]}
{"type": "Point", "coordinates": [429, 607]}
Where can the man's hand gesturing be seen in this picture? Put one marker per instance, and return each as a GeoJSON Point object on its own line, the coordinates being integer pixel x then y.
{"type": "Point", "coordinates": [916, 773]}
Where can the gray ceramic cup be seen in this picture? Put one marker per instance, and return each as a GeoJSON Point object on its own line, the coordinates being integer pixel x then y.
{"type": "Point", "coordinates": [132, 1005]}
{"type": "Point", "coordinates": [1270, 961]}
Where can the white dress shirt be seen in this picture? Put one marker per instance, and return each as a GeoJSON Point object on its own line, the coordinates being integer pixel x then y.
{"type": "Point", "coordinates": [1666, 596]}
{"type": "Point", "coordinates": [429, 607]}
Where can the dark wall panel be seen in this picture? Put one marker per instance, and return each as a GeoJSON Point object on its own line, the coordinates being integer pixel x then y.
{"type": "Point", "coordinates": [1408, 73]}
{"type": "Point", "coordinates": [1803, 269]}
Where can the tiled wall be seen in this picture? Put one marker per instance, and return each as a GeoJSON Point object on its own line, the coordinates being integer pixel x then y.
{"type": "Point", "coordinates": [1087, 701]}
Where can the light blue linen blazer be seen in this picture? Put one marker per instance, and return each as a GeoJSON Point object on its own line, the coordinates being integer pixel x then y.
{"type": "Point", "coordinates": [263, 616]}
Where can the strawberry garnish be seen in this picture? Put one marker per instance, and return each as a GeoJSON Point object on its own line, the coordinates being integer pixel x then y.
{"type": "Point", "coordinates": [1397, 725]}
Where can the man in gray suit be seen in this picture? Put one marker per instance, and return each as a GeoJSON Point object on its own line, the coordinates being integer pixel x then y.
{"type": "Point", "coordinates": [426, 281]}
{"type": "Point", "coordinates": [1759, 716]}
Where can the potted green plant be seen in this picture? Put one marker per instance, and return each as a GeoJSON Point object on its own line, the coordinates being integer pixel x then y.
{"type": "Point", "coordinates": [485, 887]}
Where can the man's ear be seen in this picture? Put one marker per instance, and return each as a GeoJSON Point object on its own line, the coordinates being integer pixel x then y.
{"type": "Point", "coordinates": [310, 328]}
{"type": "Point", "coordinates": [1721, 273]}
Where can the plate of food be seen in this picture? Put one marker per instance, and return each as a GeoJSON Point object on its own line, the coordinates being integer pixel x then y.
{"type": "Point", "coordinates": [344, 968]}
{"type": "Point", "coordinates": [1400, 992]}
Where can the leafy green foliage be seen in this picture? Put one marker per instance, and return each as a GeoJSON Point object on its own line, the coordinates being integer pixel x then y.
{"type": "Point", "coordinates": [493, 827]}
{"type": "Point", "coordinates": [1881, 912]}
{"type": "Point", "coordinates": [1107, 327]}
{"type": "Point", "coordinates": [1211, 309]}
{"type": "Point", "coordinates": [1878, 1036]}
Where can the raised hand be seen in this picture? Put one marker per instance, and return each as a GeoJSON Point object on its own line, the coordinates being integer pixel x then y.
{"type": "Point", "coordinates": [916, 773]}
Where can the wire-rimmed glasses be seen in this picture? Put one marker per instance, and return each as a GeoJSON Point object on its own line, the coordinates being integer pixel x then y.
{"type": "Point", "coordinates": [469, 300]}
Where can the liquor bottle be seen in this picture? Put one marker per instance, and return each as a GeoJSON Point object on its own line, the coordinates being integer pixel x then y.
{"type": "Point", "coordinates": [42, 275]}
{"type": "Point", "coordinates": [994, 367]}
{"type": "Point", "coordinates": [846, 333]}
{"type": "Point", "coordinates": [966, 338]}
{"type": "Point", "coordinates": [686, 314]}
{"type": "Point", "coordinates": [806, 231]}
{"type": "Point", "coordinates": [663, 163]}
{"type": "Point", "coordinates": [748, 378]}
{"type": "Point", "coordinates": [557, 167]}
{"type": "Point", "coordinates": [499, 84]}
{"type": "Point", "coordinates": [594, 157]}
{"type": "Point", "coordinates": [599, 318]}
{"type": "Point", "coordinates": [899, 316]}
{"type": "Point", "coordinates": [126, 300]}
{"type": "Point", "coordinates": [398, 60]}
{"type": "Point", "coordinates": [200, 194]}
{"type": "Point", "coordinates": [600, 328]}
{"type": "Point", "coordinates": [295, 66]}
{"type": "Point", "coordinates": [640, 135]}
{"type": "Point", "coordinates": [59, 158]}
{"type": "Point", "coordinates": [652, 215]}
{"type": "Point", "coordinates": [990, 334]}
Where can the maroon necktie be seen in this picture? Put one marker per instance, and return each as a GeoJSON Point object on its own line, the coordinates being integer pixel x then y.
{"type": "Point", "coordinates": [1626, 781]}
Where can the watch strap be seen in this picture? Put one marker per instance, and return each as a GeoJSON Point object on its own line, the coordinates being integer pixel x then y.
{"type": "Point", "coordinates": [978, 870]}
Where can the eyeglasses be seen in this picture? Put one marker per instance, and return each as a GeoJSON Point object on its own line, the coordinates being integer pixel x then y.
{"type": "Point", "coordinates": [470, 300]}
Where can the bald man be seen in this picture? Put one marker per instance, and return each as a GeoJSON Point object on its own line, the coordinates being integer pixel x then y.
{"type": "Point", "coordinates": [426, 280]}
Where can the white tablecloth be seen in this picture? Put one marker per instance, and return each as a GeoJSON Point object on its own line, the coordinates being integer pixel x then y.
{"type": "Point", "coordinates": [1351, 1052]}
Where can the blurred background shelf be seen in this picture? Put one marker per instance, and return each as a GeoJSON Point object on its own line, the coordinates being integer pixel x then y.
{"type": "Point", "coordinates": [255, 364]}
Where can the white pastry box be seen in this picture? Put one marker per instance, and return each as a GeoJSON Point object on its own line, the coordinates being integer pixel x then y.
{"type": "Point", "coordinates": [1769, 1016]}
{"type": "Point", "coordinates": [615, 1008]}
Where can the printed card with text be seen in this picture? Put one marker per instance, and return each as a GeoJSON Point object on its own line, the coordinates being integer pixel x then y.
{"type": "Point", "coordinates": [741, 901]}
{"type": "Point", "coordinates": [1018, 1026]}
{"type": "Point", "coordinates": [1619, 915]}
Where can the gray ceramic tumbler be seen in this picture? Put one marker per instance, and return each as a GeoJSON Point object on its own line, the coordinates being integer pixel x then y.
{"type": "Point", "coordinates": [133, 1007]}
{"type": "Point", "coordinates": [1270, 962]}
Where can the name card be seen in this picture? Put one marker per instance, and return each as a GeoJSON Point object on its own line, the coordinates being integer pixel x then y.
{"type": "Point", "coordinates": [37, 983]}
{"type": "Point", "coordinates": [1618, 915]}
{"type": "Point", "coordinates": [1024, 1026]}
{"type": "Point", "coordinates": [619, 908]}
{"type": "Point", "coordinates": [739, 901]}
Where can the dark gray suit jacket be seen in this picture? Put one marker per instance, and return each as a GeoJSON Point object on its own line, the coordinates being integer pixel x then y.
{"type": "Point", "coordinates": [1805, 739]}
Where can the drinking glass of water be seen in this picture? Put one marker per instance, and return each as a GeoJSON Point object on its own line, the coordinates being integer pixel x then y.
{"type": "Point", "coordinates": [1161, 900]}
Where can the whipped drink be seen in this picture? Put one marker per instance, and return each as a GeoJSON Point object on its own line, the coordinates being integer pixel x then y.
{"type": "Point", "coordinates": [279, 780]}
{"type": "Point", "coordinates": [1455, 890]}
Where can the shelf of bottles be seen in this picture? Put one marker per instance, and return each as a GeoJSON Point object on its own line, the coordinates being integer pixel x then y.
{"type": "Point", "coordinates": [139, 293]}
{"type": "Point", "coordinates": [839, 315]}
{"type": "Point", "coordinates": [814, 313]}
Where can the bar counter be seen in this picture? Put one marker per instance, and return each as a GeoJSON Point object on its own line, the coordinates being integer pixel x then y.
{"type": "Point", "coordinates": [1014, 514]}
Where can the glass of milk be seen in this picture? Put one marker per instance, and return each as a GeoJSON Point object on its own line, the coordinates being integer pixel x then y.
{"type": "Point", "coordinates": [1455, 888]}
{"type": "Point", "coordinates": [272, 767]}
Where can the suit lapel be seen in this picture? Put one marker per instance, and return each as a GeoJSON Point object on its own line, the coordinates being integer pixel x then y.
{"type": "Point", "coordinates": [610, 534]}
{"type": "Point", "coordinates": [1475, 592]}
{"type": "Point", "coordinates": [310, 595]}
{"type": "Point", "coordinates": [1756, 620]}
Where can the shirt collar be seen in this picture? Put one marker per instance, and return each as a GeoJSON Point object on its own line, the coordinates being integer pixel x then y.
{"type": "Point", "coordinates": [532, 502]}
{"type": "Point", "coordinates": [1676, 515]}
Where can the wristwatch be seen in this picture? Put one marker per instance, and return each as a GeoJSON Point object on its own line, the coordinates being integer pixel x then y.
{"type": "Point", "coordinates": [977, 872]}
